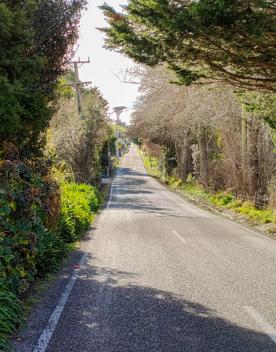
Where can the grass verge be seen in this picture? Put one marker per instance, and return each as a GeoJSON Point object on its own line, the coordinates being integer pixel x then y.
{"type": "Point", "coordinates": [220, 200]}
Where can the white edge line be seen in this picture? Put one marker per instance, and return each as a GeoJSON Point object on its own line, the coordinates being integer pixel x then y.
{"type": "Point", "coordinates": [47, 332]}
{"type": "Point", "coordinates": [179, 237]}
{"type": "Point", "coordinates": [259, 320]}
{"type": "Point", "coordinates": [110, 195]}
{"type": "Point", "coordinates": [111, 190]}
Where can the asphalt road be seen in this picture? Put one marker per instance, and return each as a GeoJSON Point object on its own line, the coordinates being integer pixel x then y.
{"type": "Point", "coordinates": [160, 275]}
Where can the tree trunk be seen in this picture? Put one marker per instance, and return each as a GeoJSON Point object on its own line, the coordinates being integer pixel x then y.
{"type": "Point", "coordinates": [244, 151]}
{"type": "Point", "coordinates": [166, 162]}
{"type": "Point", "coordinates": [253, 160]}
{"type": "Point", "coordinates": [203, 150]}
{"type": "Point", "coordinates": [185, 164]}
{"type": "Point", "coordinates": [183, 156]}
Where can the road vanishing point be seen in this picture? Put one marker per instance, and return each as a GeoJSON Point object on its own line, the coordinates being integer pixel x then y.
{"type": "Point", "coordinates": [158, 274]}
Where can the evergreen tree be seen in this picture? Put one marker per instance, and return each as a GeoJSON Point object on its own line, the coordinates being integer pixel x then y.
{"type": "Point", "coordinates": [228, 40]}
{"type": "Point", "coordinates": [35, 39]}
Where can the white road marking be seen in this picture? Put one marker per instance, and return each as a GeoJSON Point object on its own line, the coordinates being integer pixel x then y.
{"type": "Point", "coordinates": [259, 320]}
{"type": "Point", "coordinates": [110, 196]}
{"type": "Point", "coordinates": [179, 237]}
{"type": "Point", "coordinates": [47, 333]}
{"type": "Point", "coordinates": [208, 215]}
{"type": "Point", "coordinates": [111, 192]}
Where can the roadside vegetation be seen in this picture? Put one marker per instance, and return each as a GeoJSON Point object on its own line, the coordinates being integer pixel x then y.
{"type": "Point", "coordinates": [52, 158]}
{"type": "Point", "coordinates": [206, 117]}
{"type": "Point", "coordinates": [79, 204]}
{"type": "Point", "coordinates": [211, 138]}
{"type": "Point", "coordinates": [207, 108]}
{"type": "Point", "coordinates": [221, 200]}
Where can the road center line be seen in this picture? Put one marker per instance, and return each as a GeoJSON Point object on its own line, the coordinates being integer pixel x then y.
{"type": "Point", "coordinates": [259, 320]}
{"type": "Point", "coordinates": [179, 237]}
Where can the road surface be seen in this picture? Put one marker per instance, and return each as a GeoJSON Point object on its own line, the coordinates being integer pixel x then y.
{"type": "Point", "coordinates": [160, 275]}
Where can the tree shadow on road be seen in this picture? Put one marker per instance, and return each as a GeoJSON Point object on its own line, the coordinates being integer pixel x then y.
{"type": "Point", "coordinates": [132, 193]}
{"type": "Point", "coordinates": [126, 171]}
{"type": "Point", "coordinates": [107, 311]}
{"type": "Point", "coordinates": [125, 201]}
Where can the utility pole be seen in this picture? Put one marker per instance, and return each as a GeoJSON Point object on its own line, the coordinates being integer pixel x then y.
{"type": "Point", "coordinates": [77, 83]}
{"type": "Point", "coordinates": [118, 111]}
{"type": "Point", "coordinates": [109, 162]}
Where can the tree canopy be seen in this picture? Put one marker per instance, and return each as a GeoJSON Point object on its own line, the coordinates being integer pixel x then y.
{"type": "Point", "coordinates": [35, 38]}
{"type": "Point", "coordinates": [229, 40]}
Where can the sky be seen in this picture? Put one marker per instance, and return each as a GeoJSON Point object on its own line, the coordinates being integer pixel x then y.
{"type": "Point", "coordinates": [104, 62]}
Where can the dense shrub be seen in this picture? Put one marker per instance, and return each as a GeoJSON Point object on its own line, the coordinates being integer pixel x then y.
{"type": "Point", "coordinates": [30, 243]}
{"type": "Point", "coordinates": [36, 223]}
{"type": "Point", "coordinates": [77, 142]}
{"type": "Point", "coordinates": [78, 203]}
{"type": "Point", "coordinates": [29, 208]}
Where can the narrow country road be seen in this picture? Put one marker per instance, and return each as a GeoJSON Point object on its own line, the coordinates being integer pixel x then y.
{"type": "Point", "coordinates": [161, 275]}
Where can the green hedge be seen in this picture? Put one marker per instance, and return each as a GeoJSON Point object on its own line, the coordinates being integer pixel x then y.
{"type": "Point", "coordinates": [37, 221]}
{"type": "Point", "coordinates": [79, 202]}
{"type": "Point", "coordinates": [30, 244]}
{"type": "Point", "coordinates": [29, 213]}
